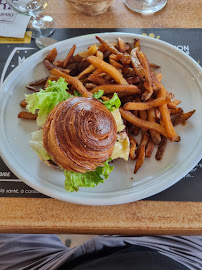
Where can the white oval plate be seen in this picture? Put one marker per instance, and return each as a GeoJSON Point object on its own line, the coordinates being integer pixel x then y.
{"type": "Point", "coordinates": [181, 75]}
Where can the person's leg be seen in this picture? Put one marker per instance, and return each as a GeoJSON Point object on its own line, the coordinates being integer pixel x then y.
{"type": "Point", "coordinates": [30, 251]}
{"type": "Point", "coordinates": [186, 250]}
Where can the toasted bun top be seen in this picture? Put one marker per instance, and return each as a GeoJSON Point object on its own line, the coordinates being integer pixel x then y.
{"type": "Point", "coordinates": [80, 134]}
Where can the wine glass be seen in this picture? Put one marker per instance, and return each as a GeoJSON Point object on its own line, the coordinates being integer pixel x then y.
{"type": "Point", "coordinates": [145, 6]}
{"type": "Point", "coordinates": [41, 26]}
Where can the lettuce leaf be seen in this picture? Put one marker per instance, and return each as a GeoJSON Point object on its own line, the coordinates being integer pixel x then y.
{"type": "Point", "coordinates": [36, 144]}
{"type": "Point", "coordinates": [75, 180]}
{"type": "Point", "coordinates": [45, 100]}
{"type": "Point", "coordinates": [113, 103]}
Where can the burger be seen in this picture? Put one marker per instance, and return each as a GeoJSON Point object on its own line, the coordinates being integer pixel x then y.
{"type": "Point", "coordinates": [79, 135]}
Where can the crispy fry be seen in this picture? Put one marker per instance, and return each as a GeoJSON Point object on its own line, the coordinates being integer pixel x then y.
{"type": "Point", "coordinates": [137, 44]}
{"type": "Point", "coordinates": [121, 45]}
{"type": "Point", "coordinates": [159, 76]}
{"type": "Point", "coordinates": [92, 50]}
{"type": "Point", "coordinates": [147, 105]}
{"type": "Point", "coordinates": [112, 71]}
{"type": "Point", "coordinates": [72, 80]}
{"type": "Point", "coordinates": [23, 103]}
{"type": "Point", "coordinates": [140, 158]}
{"type": "Point", "coordinates": [117, 88]}
{"type": "Point", "coordinates": [133, 146]}
{"type": "Point", "coordinates": [155, 136]}
{"type": "Point", "coordinates": [32, 88]}
{"type": "Point", "coordinates": [128, 116]}
{"type": "Point", "coordinates": [176, 111]}
{"type": "Point", "coordinates": [182, 117]}
{"type": "Point", "coordinates": [90, 68]}
{"type": "Point", "coordinates": [115, 63]}
{"type": "Point", "coordinates": [69, 56]}
{"type": "Point", "coordinates": [95, 78]}
{"type": "Point", "coordinates": [133, 80]}
{"type": "Point", "coordinates": [171, 134]}
{"type": "Point", "coordinates": [39, 82]}
{"type": "Point", "coordinates": [27, 115]}
{"type": "Point", "coordinates": [137, 65]}
{"type": "Point", "coordinates": [109, 46]}
{"type": "Point", "coordinates": [173, 104]}
{"type": "Point", "coordinates": [152, 65]}
{"type": "Point", "coordinates": [59, 63]}
{"type": "Point", "coordinates": [52, 55]}
{"type": "Point", "coordinates": [149, 148]}
{"type": "Point", "coordinates": [145, 64]}
{"type": "Point", "coordinates": [161, 148]}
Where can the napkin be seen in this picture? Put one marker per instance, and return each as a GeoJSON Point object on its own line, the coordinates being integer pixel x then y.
{"type": "Point", "coordinates": [12, 24]}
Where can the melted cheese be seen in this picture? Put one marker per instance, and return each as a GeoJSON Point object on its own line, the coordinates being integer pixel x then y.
{"type": "Point", "coordinates": [122, 146]}
{"type": "Point", "coordinates": [118, 119]}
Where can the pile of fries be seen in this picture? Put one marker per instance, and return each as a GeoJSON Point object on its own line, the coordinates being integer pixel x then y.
{"type": "Point", "coordinates": [147, 107]}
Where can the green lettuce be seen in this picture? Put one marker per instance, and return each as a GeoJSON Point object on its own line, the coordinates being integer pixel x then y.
{"type": "Point", "coordinates": [36, 144]}
{"type": "Point", "coordinates": [113, 103]}
{"type": "Point", "coordinates": [45, 100]}
{"type": "Point", "coordinates": [75, 180]}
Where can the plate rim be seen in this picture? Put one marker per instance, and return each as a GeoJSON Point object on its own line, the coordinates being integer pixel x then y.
{"type": "Point", "coordinates": [126, 198]}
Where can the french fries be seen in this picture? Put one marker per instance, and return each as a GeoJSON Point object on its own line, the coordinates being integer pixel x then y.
{"type": "Point", "coordinates": [147, 108]}
{"type": "Point", "coordinates": [27, 115]}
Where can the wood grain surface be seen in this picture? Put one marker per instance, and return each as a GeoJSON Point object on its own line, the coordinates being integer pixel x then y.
{"type": "Point", "coordinates": [176, 14]}
{"type": "Point", "coordinates": [137, 218]}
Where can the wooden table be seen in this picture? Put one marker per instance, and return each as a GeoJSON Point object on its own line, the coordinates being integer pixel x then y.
{"type": "Point", "coordinates": [142, 217]}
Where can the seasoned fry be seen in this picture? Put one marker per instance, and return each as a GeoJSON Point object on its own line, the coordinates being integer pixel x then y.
{"type": "Point", "coordinates": [137, 65]}
{"type": "Point", "coordinates": [176, 111]}
{"type": "Point", "coordinates": [32, 88]}
{"type": "Point", "coordinates": [115, 64]}
{"type": "Point", "coordinates": [23, 103]}
{"type": "Point", "coordinates": [181, 118]}
{"type": "Point", "coordinates": [59, 63]}
{"type": "Point", "coordinates": [145, 64]}
{"type": "Point", "coordinates": [39, 82]}
{"type": "Point", "coordinates": [109, 46]}
{"type": "Point", "coordinates": [27, 115]}
{"type": "Point", "coordinates": [133, 146]}
{"type": "Point", "coordinates": [72, 80]}
{"type": "Point", "coordinates": [149, 148]}
{"type": "Point", "coordinates": [97, 79]}
{"type": "Point", "coordinates": [173, 104]}
{"type": "Point", "coordinates": [155, 136]}
{"type": "Point", "coordinates": [147, 105]}
{"type": "Point", "coordinates": [117, 88]}
{"type": "Point", "coordinates": [112, 71]}
{"type": "Point", "coordinates": [128, 116]}
{"type": "Point", "coordinates": [52, 55]}
{"type": "Point", "coordinates": [171, 134]}
{"type": "Point", "coordinates": [140, 158]}
{"type": "Point", "coordinates": [92, 50]}
{"type": "Point", "coordinates": [152, 65]}
{"type": "Point", "coordinates": [161, 148]}
{"type": "Point", "coordinates": [121, 45]}
{"type": "Point", "coordinates": [159, 76]}
{"type": "Point", "coordinates": [69, 56]}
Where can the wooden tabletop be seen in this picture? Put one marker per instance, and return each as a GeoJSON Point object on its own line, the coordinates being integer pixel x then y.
{"type": "Point", "coordinates": [25, 215]}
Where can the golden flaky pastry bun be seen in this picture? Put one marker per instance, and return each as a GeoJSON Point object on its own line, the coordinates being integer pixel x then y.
{"type": "Point", "coordinates": [80, 134]}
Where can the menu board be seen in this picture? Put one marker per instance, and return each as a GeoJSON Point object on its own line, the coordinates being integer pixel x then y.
{"type": "Point", "coordinates": [14, 51]}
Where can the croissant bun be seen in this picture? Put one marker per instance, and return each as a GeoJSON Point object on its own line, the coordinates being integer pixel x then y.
{"type": "Point", "coordinates": [80, 134]}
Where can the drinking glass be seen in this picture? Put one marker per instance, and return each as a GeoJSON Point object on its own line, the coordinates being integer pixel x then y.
{"type": "Point", "coordinates": [145, 6]}
{"type": "Point", "coordinates": [41, 26]}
